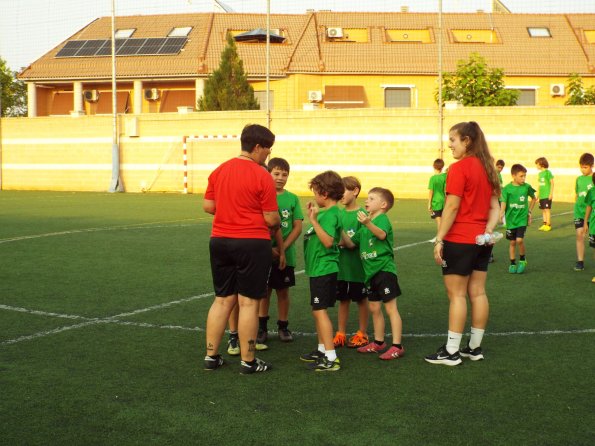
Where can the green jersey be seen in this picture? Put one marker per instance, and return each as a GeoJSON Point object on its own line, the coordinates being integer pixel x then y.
{"type": "Point", "coordinates": [377, 255]}
{"type": "Point", "coordinates": [321, 261]}
{"type": "Point", "coordinates": [350, 265]}
{"type": "Point", "coordinates": [545, 183]}
{"type": "Point", "coordinates": [590, 201]}
{"type": "Point", "coordinates": [437, 185]}
{"type": "Point", "coordinates": [289, 211]}
{"type": "Point", "coordinates": [581, 187]}
{"type": "Point", "coordinates": [516, 198]}
{"type": "Point", "coordinates": [500, 178]}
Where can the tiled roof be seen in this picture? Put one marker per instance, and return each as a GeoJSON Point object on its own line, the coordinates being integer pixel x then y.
{"type": "Point", "coordinates": [307, 50]}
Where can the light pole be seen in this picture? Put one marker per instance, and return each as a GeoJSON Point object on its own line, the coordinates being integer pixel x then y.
{"type": "Point", "coordinates": [116, 183]}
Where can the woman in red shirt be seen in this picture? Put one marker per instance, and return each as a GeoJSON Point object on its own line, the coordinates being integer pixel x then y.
{"type": "Point", "coordinates": [471, 208]}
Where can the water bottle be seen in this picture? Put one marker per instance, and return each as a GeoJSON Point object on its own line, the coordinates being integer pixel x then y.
{"type": "Point", "coordinates": [488, 239]}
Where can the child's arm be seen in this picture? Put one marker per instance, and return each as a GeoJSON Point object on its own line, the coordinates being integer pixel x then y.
{"type": "Point", "coordinates": [365, 220]}
{"type": "Point", "coordinates": [531, 206]}
{"type": "Point", "coordinates": [502, 211]}
{"type": "Point", "coordinates": [493, 215]}
{"type": "Point", "coordinates": [430, 200]}
{"type": "Point", "coordinates": [346, 241]}
{"type": "Point", "coordinates": [208, 206]}
{"type": "Point", "coordinates": [326, 240]}
{"type": "Point", "coordinates": [588, 212]}
{"type": "Point", "coordinates": [279, 250]}
{"type": "Point", "coordinates": [294, 234]}
{"type": "Point", "coordinates": [551, 197]}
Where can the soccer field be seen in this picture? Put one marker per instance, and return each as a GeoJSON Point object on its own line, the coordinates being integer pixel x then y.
{"type": "Point", "coordinates": [103, 303]}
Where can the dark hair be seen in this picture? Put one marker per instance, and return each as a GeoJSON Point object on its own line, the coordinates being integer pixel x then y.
{"type": "Point", "coordinates": [328, 183]}
{"type": "Point", "coordinates": [593, 178]}
{"type": "Point", "coordinates": [542, 162]}
{"type": "Point", "coordinates": [438, 164]}
{"type": "Point", "coordinates": [500, 163]}
{"type": "Point", "coordinates": [586, 159]}
{"type": "Point", "coordinates": [516, 168]}
{"type": "Point", "coordinates": [478, 147]}
{"type": "Point", "coordinates": [279, 163]}
{"type": "Point", "coordinates": [385, 194]}
{"type": "Point", "coordinates": [351, 183]}
{"type": "Point", "coordinates": [254, 134]}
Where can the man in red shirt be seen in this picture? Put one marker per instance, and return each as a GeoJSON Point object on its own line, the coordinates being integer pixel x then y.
{"type": "Point", "coordinates": [242, 197]}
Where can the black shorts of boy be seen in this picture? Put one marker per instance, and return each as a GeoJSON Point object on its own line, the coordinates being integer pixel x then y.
{"type": "Point", "coordinates": [579, 223]}
{"type": "Point", "coordinates": [436, 214]}
{"type": "Point", "coordinates": [384, 286]}
{"type": "Point", "coordinates": [353, 291]}
{"type": "Point", "coordinates": [464, 258]}
{"type": "Point", "coordinates": [514, 233]}
{"type": "Point", "coordinates": [240, 266]}
{"type": "Point", "coordinates": [323, 291]}
{"type": "Point", "coordinates": [592, 240]}
{"type": "Point", "coordinates": [545, 203]}
{"type": "Point", "coordinates": [279, 279]}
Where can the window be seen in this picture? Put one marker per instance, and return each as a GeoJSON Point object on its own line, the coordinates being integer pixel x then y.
{"type": "Point", "coordinates": [344, 96]}
{"type": "Point", "coordinates": [475, 36]}
{"type": "Point", "coordinates": [539, 32]}
{"type": "Point", "coordinates": [261, 97]}
{"type": "Point", "coordinates": [527, 96]}
{"type": "Point", "coordinates": [409, 35]}
{"type": "Point", "coordinates": [397, 96]}
{"type": "Point", "coordinates": [590, 35]}
{"type": "Point", "coordinates": [125, 33]}
{"type": "Point", "coordinates": [180, 32]}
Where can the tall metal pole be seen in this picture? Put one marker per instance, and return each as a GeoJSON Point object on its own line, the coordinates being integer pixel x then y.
{"type": "Point", "coordinates": [440, 104]}
{"type": "Point", "coordinates": [268, 63]}
{"type": "Point", "coordinates": [116, 183]}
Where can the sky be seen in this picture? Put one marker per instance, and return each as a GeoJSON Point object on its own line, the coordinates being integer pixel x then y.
{"type": "Point", "coordinates": [30, 28]}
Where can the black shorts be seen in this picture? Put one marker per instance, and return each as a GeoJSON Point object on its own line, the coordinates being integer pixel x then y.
{"type": "Point", "coordinates": [435, 214]}
{"type": "Point", "coordinates": [355, 291]}
{"type": "Point", "coordinates": [545, 203]}
{"type": "Point", "coordinates": [463, 258]}
{"type": "Point", "coordinates": [579, 223]}
{"type": "Point", "coordinates": [514, 233]}
{"type": "Point", "coordinates": [240, 266]}
{"type": "Point", "coordinates": [279, 279]}
{"type": "Point", "coordinates": [384, 287]}
{"type": "Point", "coordinates": [592, 240]}
{"type": "Point", "coordinates": [323, 291]}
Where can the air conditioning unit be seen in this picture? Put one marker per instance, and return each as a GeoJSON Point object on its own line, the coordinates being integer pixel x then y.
{"type": "Point", "coordinates": [557, 89]}
{"type": "Point", "coordinates": [334, 32]}
{"type": "Point", "coordinates": [91, 95]}
{"type": "Point", "coordinates": [315, 95]}
{"type": "Point", "coordinates": [275, 31]}
{"type": "Point", "coordinates": [151, 94]}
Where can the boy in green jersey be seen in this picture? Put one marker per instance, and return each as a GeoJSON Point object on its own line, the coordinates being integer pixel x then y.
{"type": "Point", "coordinates": [582, 185]}
{"type": "Point", "coordinates": [281, 279]}
{"type": "Point", "coordinates": [375, 241]}
{"type": "Point", "coordinates": [499, 167]}
{"type": "Point", "coordinates": [517, 211]}
{"type": "Point", "coordinates": [350, 285]}
{"type": "Point", "coordinates": [590, 215]}
{"type": "Point", "coordinates": [545, 192]}
{"type": "Point", "coordinates": [321, 253]}
{"type": "Point", "coordinates": [436, 191]}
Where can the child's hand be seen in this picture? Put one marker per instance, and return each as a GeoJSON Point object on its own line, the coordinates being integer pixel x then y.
{"type": "Point", "coordinates": [275, 253]}
{"type": "Point", "coordinates": [312, 210]}
{"type": "Point", "coordinates": [363, 218]}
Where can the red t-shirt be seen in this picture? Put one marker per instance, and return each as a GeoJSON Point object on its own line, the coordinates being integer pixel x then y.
{"type": "Point", "coordinates": [242, 191]}
{"type": "Point", "coordinates": [468, 179]}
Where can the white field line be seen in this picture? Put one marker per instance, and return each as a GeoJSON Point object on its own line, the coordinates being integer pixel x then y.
{"type": "Point", "coordinates": [114, 319]}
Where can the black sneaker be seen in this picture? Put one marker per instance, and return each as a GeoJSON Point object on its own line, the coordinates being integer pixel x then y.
{"type": "Point", "coordinates": [285, 335]}
{"type": "Point", "coordinates": [579, 266]}
{"type": "Point", "coordinates": [443, 357]}
{"type": "Point", "coordinates": [213, 362]}
{"type": "Point", "coordinates": [258, 366]}
{"type": "Point", "coordinates": [474, 354]}
{"type": "Point", "coordinates": [325, 365]}
{"type": "Point", "coordinates": [313, 356]}
{"type": "Point", "coordinates": [262, 336]}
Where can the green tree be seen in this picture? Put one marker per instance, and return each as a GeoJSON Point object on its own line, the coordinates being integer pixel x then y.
{"type": "Point", "coordinates": [475, 84]}
{"type": "Point", "coordinates": [577, 93]}
{"type": "Point", "coordinates": [13, 92]}
{"type": "Point", "coordinates": [228, 88]}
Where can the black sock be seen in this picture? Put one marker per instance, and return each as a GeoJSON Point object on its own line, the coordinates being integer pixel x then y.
{"type": "Point", "coordinates": [521, 258]}
{"type": "Point", "coordinates": [233, 334]}
{"type": "Point", "coordinates": [513, 262]}
{"type": "Point", "coordinates": [262, 323]}
{"type": "Point", "coordinates": [378, 342]}
{"type": "Point", "coordinates": [398, 346]}
{"type": "Point", "coordinates": [282, 325]}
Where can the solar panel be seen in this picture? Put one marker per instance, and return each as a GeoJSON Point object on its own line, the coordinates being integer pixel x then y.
{"type": "Point", "coordinates": [124, 47]}
{"type": "Point", "coordinates": [71, 48]}
{"type": "Point", "coordinates": [131, 47]}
